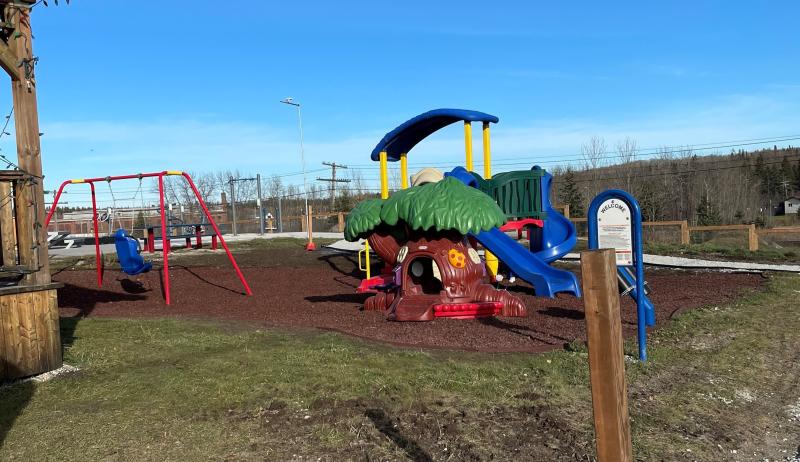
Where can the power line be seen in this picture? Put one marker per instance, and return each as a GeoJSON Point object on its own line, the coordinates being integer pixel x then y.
{"type": "Point", "coordinates": [333, 180]}
{"type": "Point", "coordinates": [664, 150]}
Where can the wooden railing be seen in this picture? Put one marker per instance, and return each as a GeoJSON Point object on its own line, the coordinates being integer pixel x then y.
{"type": "Point", "coordinates": [752, 236]}
{"type": "Point", "coordinates": [753, 233]}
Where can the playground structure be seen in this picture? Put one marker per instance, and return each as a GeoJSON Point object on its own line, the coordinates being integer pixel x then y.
{"type": "Point", "coordinates": [433, 271]}
{"type": "Point", "coordinates": [467, 209]}
{"type": "Point", "coordinates": [133, 260]}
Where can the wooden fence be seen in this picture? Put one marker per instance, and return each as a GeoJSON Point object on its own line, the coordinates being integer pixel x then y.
{"type": "Point", "coordinates": [685, 231]}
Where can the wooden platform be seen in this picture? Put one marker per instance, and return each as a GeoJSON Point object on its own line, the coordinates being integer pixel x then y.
{"type": "Point", "coordinates": [30, 340]}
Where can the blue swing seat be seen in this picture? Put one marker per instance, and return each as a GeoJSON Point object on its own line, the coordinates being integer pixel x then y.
{"type": "Point", "coordinates": [128, 249]}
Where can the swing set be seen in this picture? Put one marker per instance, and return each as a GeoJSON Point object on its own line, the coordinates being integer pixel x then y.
{"type": "Point", "coordinates": [130, 250]}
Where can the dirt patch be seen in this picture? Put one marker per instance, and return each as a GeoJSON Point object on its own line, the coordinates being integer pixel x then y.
{"type": "Point", "coordinates": [377, 430]}
{"type": "Point", "coordinates": [297, 289]}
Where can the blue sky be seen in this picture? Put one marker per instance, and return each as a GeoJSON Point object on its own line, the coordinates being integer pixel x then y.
{"type": "Point", "coordinates": [130, 86]}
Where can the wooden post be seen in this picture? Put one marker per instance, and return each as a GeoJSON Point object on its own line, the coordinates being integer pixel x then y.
{"type": "Point", "coordinates": [752, 238]}
{"type": "Point", "coordinates": [685, 232]}
{"type": "Point", "coordinates": [310, 218]}
{"type": "Point", "coordinates": [30, 342]}
{"type": "Point", "coordinates": [566, 211]}
{"type": "Point", "coordinates": [32, 237]}
{"type": "Point", "coordinates": [340, 217]}
{"type": "Point", "coordinates": [606, 357]}
{"type": "Point", "coordinates": [310, 245]}
{"type": "Point", "coordinates": [8, 233]}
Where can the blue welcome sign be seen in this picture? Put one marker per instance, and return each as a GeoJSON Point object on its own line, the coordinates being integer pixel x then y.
{"type": "Point", "coordinates": [615, 222]}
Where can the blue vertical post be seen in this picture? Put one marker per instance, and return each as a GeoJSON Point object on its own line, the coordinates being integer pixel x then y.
{"type": "Point", "coordinates": [644, 316]}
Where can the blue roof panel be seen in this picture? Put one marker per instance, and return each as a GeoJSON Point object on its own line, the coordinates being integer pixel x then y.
{"type": "Point", "coordinates": [409, 133]}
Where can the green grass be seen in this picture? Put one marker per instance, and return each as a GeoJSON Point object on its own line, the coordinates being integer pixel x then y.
{"type": "Point", "coordinates": [710, 250]}
{"type": "Point", "coordinates": [181, 390]}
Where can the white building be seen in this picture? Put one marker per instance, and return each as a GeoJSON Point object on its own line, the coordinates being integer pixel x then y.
{"type": "Point", "coordinates": [791, 205]}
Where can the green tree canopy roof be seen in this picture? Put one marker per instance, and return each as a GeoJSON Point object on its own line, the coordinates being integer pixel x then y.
{"type": "Point", "coordinates": [446, 205]}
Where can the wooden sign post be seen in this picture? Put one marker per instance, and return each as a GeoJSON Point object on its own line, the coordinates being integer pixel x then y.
{"type": "Point", "coordinates": [606, 357]}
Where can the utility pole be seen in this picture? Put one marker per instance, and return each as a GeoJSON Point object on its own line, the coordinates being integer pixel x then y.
{"type": "Point", "coordinates": [260, 207]}
{"type": "Point", "coordinates": [233, 204]}
{"type": "Point", "coordinates": [333, 180]}
{"type": "Point", "coordinates": [785, 186]}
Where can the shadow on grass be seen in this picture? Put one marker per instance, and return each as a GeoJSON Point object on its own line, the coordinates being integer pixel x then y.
{"type": "Point", "coordinates": [85, 300]}
{"type": "Point", "coordinates": [386, 425]}
{"type": "Point", "coordinates": [13, 400]}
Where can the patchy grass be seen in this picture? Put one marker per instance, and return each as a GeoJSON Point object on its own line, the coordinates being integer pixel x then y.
{"type": "Point", "coordinates": [720, 379]}
{"type": "Point", "coordinates": [723, 252]}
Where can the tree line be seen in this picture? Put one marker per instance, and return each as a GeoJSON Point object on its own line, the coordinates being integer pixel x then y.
{"type": "Point", "coordinates": [739, 187]}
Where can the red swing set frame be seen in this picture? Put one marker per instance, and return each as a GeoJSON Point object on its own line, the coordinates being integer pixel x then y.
{"type": "Point", "coordinates": [165, 236]}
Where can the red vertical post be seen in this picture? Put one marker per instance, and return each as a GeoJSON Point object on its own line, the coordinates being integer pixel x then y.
{"type": "Point", "coordinates": [216, 230]}
{"type": "Point", "coordinates": [164, 239]}
{"type": "Point", "coordinates": [55, 203]}
{"type": "Point", "coordinates": [151, 239]}
{"type": "Point", "coordinates": [98, 258]}
{"type": "Point", "coordinates": [199, 235]}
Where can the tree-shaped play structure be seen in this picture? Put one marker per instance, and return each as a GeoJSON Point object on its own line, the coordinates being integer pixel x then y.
{"type": "Point", "coordinates": [421, 233]}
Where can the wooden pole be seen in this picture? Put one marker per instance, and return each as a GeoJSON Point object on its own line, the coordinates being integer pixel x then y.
{"type": "Point", "coordinates": [310, 217]}
{"type": "Point", "coordinates": [685, 232]}
{"type": "Point", "coordinates": [606, 360]}
{"type": "Point", "coordinates": [752, 238]}
{"type": "Point", "coordinates": [8, 235]}
{"type": "Point", "coordinates": [340, 218]}
{"type": "Point", "coordinates": [32, 236]}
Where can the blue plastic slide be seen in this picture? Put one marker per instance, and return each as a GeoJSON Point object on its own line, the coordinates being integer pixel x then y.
{"type": "Point", "coordinates": [559, 235]}
{"type": "Point", "coordinates": [546, 280]}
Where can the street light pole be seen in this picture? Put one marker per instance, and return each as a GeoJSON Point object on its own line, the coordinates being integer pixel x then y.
{"type": "Point", "coordinates": [291, 102]}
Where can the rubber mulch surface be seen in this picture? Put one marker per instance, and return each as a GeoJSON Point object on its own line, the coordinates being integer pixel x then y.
{"type": "Point", "coordinates": [316, 290]}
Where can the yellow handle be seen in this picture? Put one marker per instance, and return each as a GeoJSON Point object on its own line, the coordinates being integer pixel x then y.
{"type": "Point", "coordinates": [366, 266]}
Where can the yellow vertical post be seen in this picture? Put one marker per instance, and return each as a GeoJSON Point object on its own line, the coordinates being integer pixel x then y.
{"type": "Point", "coordinates": [487, 152]}
{"type": "Point", "coordinates": [492, 263]}
{"type": "Point", "coordinates": [403, 171]}
{"type": "Point", "coordinates": [366, 258]}
{"type": "Point", "coordinates": [384, 175]}
{"type": "Point", "coordinates": [468, 144]}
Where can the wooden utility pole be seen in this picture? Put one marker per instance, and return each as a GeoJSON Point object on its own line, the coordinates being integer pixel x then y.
{"type": "Point", "coordinates": [333, 180]}
{"type": "Point", "coordinates": [8, 233]}
{"type": "Point", "coordinates": [29, 324]}
{"type": "Point", "coordinates": [606, 357]}
{"type": "Point", "coordinates": [19, 62]}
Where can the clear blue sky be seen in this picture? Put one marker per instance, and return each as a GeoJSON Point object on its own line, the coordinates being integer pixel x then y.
{"type": "Point", "coordinates": [130, 86]}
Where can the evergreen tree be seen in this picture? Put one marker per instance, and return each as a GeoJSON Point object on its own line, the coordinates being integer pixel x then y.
{"type": "Point", "coordinates": [569, 193]}
{"type": "Point", "coordinates": [797, 175]}
{"type": "Point", "coordinates": [707, 214]}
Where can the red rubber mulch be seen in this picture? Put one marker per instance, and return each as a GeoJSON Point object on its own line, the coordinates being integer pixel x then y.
{"type": "Point", "coordinates": [318, 290]}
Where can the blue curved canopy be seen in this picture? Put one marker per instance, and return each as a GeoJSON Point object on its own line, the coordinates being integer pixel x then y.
{"type": "Point", "coordinates": [409, 133]}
